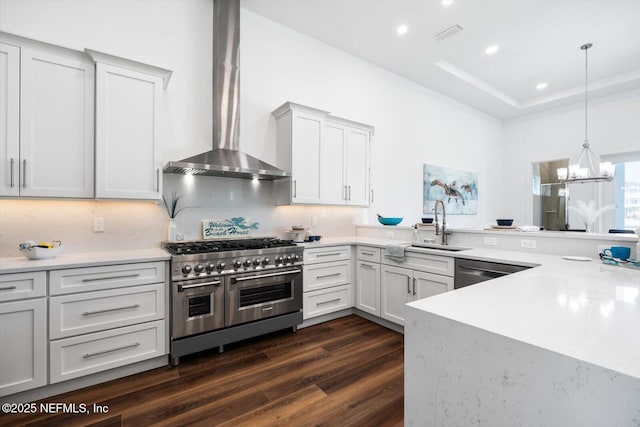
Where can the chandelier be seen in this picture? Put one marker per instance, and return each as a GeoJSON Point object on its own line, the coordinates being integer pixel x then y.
{"type": "Point", "coordinates": [586, 168]}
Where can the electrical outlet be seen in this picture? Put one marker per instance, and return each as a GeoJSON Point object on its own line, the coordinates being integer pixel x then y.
{"type": "Point", "coordinates": [529, 244]}
{"type": "Point", "coordinates": [490, 241]}
{"type": "Point", "coordinates": [314, 221]}
{"type": "Point", "coordinates": [98, 224]}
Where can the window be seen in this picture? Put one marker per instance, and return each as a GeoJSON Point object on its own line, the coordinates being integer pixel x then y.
{"type": "Point", "coordinates": [627, 190]}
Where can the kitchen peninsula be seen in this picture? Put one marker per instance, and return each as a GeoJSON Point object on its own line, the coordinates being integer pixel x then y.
{"type": "Point", "coordinates": [555, 345]}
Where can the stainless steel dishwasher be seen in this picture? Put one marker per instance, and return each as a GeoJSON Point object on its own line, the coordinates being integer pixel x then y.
{"type": "Point", "coordinates": [469, 272]}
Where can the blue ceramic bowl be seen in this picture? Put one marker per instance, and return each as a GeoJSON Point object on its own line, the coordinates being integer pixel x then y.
{"type": "Point", "coordinates": [389, 221]}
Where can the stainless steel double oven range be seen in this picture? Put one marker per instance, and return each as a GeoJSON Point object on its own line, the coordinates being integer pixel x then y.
{"type": "Point", "coordinates": [229, 290]}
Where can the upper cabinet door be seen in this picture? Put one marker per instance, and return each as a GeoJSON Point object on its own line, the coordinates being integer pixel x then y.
{"type": "Point", "coordinates": [332, 172]}
{"type": "Point", "coordinates": [56, 123]}
{"type": "Point", "coordinates": [305, 157]}
{"type": "Point", "coordinates": [128, 149]}
{"type": "Point", "coordinates": [357, 167]}
{"type": "Point", "coordinates": [9, 119]}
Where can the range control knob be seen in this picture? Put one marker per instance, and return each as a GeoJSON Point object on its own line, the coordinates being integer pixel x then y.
{"type": "Point", "coordinates": [237, 264]}
{"type": "Point", "coordinates": [210, 267]}
{"type": "Point", "coordinates": [247, 263]}
{"type": "Point", "coordinates": [278, 261]}
{"type": "Point", "coordinates": [221, 266]}
{"type": "Point", "coordinates": [296, 258]}
{"type": "Point", "coordinates": [186, 269]}
{"type": "Point", "coordinates": [198, 268]}
{"type": "Point", "coordinates": [265, 261]}
{"type": "Point", "coordinates": [256, 262]}
{"type": "Point", "coordinates": [288, 258]}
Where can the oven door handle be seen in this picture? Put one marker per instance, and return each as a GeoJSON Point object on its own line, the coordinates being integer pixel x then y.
{"type": "Point", "coordinates": [198, 285]}
{"type": "Point", "coordinates": [260, 276]}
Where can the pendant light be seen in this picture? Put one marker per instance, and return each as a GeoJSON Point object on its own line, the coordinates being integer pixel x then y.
{"type": "Point", "coordinates": [586, 169]}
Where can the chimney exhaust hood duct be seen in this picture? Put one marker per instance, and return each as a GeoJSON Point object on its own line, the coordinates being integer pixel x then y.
{"type": "Point", "coordinates": [225, 159]}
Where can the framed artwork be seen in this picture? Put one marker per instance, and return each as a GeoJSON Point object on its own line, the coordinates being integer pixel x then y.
{"type": "Point", "coordinates": [456, 188]}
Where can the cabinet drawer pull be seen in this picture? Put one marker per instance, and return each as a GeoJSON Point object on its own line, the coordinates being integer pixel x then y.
{"type": "Point", "coordinates": [89, 313]}
{"type": "Point", "coordinates": [12, 162]}
{"type": "Point", "coordinates": [367, 253]}
{"type": "Point", "coordinates": [414, 286]}
{"type": "Point", "coordinates": [98, 353]}
{"type": "Point", "coordinates": [295, 189]}
{"type": "Point", "coordinates": [331, 254]}
{"type": "Point", "coordinates": [124, 276]}
{"type": "Point", "coordinates": [24, 173]}
{"type": "Point", "coordinates": [409, 285]}
{"type": "Point", "coordinates": [328, 275]}
{"type": "Point", "coordinates": [327, 302]}
{"type": "Point", "coordinates": [7, 288]}
{"type": "Point", "coordinates": [366, 265]}
{"type": "Point", "coordinates": [157, 180]}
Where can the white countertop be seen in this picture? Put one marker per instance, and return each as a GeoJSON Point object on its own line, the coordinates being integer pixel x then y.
{"type": "Point", "coordinates": [85, 259]}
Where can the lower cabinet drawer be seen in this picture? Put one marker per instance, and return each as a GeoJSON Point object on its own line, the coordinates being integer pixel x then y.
{"type": "Point", "coordinates": [326, 275]}
{"type": "Point", "coordinates": [97, 311]}
{"type": "Point", "coordinates": [88, 354]}
{"type": "Point", "coordinates": [325, 301]}
{"type": "Point", "coordinates": [17, 286]}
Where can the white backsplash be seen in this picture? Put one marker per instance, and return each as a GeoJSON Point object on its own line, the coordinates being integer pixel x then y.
{"type": "Point", "coordinates": [139, 225]}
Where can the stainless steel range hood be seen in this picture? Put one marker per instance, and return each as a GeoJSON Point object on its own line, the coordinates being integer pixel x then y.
{"type": "Point", "coordinates": [225, 159]}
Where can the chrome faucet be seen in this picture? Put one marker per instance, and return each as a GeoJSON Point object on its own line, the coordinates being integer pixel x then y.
{"type": "Point", "coordinates": [441, 229]}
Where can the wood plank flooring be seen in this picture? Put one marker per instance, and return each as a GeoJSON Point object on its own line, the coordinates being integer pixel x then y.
{"type": "Point", "coordinates": [347, 372]}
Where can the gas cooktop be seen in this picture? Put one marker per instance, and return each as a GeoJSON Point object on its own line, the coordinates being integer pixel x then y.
{"type": "Point", "coordinates": [212, 246]}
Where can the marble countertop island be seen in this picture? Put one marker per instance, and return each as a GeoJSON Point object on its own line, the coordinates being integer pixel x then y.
{"type": "Point", "coordinates": [558, 344]}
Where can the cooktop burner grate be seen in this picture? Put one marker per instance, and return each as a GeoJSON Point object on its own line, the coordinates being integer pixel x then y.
{"type": "Point", "coordinates": [212, 246]}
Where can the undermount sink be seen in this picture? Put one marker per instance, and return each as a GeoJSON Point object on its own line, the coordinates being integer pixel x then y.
{"type": "Point", "coordinates": [439, 247]}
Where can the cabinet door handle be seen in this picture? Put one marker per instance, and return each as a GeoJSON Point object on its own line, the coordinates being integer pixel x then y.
{"type": "Point", "coordinates": [349, 189]}
{"type": "Point", "coordinates": [327, 302]}
{"type": "Point", "coordinates": [344, 192]}
{"type": "Point", "coordinates": [12, 167]}
{"type": "Point", "coordinates": [107, 310]}
{"type": "Point", "coordinates": [372, 195]}
{"type": "Point", "coordinates": [7, 288]}
{"type": "Point", "coordinates": [158, 180]}
{"type": "Point", "coordinates": [24, 173]}
{"type": "Point", "coordinates": [98, 353]}
{"type": "Point", "coordinates": [409, 285]}
{"type": "Point", "coordinates": [414, 286]}
{"type": "Point", "coordinates": [124, 276]}
{"type": "Point", "coordinates": [295, 189]}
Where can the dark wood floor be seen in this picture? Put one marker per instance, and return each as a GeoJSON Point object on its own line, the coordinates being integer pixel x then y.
{"type": "Point", "coordinates": [345, 372]}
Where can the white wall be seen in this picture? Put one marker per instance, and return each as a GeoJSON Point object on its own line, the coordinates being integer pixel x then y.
{"type": "Point", "coordinates": [413, 125]}
{"type": "Point", "coordinates": [613, 128]}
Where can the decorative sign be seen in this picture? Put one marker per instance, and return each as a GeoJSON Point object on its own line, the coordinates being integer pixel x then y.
{"type": "Point", "coordinates": [457, 189]}
{"type": "Point", "coordinates": [227, 228]}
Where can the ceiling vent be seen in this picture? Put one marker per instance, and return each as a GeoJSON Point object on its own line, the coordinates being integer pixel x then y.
{"type": "Point", "coordinates": [448, 32]}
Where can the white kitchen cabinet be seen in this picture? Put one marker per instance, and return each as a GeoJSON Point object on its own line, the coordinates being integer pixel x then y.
{"type": "Point", "coordinates": [9, 119]}
{"type": "Point", "coordinates": [23, 345]}
{"type": "Point", "coordinates": [56, 126]}
{"type": "Point", "coordinates": [16, 286]}
{"type": "Point", "coordinates": [402, 285]}
{"type": "Point", "coordinates": [368, 280]}
{"type": "Point", "coordinates": [327, 156]}
{"type": "Point", "coordinates": [299, 132]}
{"type": "Point", "coordinates": [368, 287]}
{"type": "Point", "coordinates": [129, 102]}
{"type": "Point", "coordinates": [327, 283]}
{"type": "Point", "coordinates": [344, 174]}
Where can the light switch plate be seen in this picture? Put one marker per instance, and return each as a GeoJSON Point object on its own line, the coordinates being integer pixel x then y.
{"type": "Point", "coordinates": [529, 244]}
{"type": "Point", "coordinates": [490, 241]}
{"type": "Point", "coordinates": [98, 224]}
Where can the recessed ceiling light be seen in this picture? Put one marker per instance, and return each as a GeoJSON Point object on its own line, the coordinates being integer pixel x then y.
{"type": "Point", "coordinates": [491, 50]}
{"type": "Point", "coordinates": [402, 30]}
{"type": "Point", "coordinates": [541, 86]}
{"type": "Point", "coordinates": [446, 3]}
